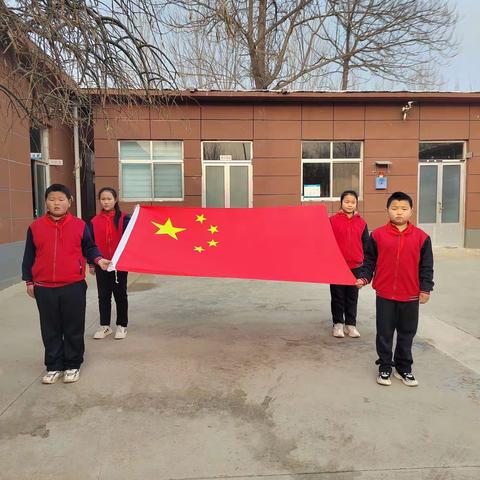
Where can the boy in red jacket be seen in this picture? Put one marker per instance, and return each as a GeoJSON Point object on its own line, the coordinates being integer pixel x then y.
{"type": "Point", "coordinates": [401, 257]}
{"type": "Point", "coordinates": [54, 268]}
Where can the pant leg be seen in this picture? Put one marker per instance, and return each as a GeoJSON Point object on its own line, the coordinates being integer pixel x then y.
{"type": "Point", "coordinates": [48, 303]}
{"type": "Point", "coordinates": [351, 302]}
{"type": "Point", "coordinates": [73, 304]}
{"type": "Point", "coordinates": [337, 304]}
{"type": "Point", "coordinates": [406, 329]}
{"type": "Point", "coordinates": [386, 313]}
{"type": "Point", "coordinates": [121, 299]}
{"type": "Point", "coordinates": [351, 299]}
{"type": "Point", "coordinates": [105, 288]}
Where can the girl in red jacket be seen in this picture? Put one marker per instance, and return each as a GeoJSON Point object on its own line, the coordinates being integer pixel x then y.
{"type": "Point", "coordinates": [351, 233]}
{"type": "Point", "coordinates": [107, 229]}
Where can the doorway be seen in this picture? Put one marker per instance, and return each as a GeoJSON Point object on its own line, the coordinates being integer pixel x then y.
{"type": "Point", "coordinates": [227, 174]}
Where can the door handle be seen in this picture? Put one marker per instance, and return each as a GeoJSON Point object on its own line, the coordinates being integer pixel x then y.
{"type": "Point", "coordinates": [440, 207]}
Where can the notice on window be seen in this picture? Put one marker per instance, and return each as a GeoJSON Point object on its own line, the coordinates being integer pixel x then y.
{"type": "Point", "coordinates": [312, 191]}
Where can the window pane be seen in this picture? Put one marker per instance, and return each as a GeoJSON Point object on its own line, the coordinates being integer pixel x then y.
{"type": "Point", "coordinates": [316, 174]}
{"type": "Point", "coordinates": [167, 150]}
{"type": "Point", "coordinates": [441, 151]}
{"type": "Point", "coordinates": [132, 150]}
{"type": "Point", "coordinates": [427, 203]}
{"type": "Point", "coordinates": [315, 149]}
{"type": "Point", "coordinates": [239, 187]}
{"type": "Point", "coordinates": [346, 149]}
{"type": "Point", "coordinates": [136, 180]}
{"type": "Point", "coordinates": [235, 150]}
{"type": "Point", "coordinates": [215, 186]}
{"type": "Point", "coordinates": [451, 194]}
{"type": "Point", "coordinates": [345, 177]}
{"type": "Point", "coordinates": [167, 180]}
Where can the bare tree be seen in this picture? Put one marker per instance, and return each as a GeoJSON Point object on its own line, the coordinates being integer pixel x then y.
{"type": "Point", "coordinates": [276, 43]}
{"type": "Point", "coordinates": [312, 44]}
{"type": "Point", "coordinates": [392, 39]}
{"type": "Point", "coordinates": [59, 51]}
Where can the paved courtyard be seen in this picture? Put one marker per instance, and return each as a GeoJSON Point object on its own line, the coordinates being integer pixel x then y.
{"type": "Point", "coordinates": [222, 378]}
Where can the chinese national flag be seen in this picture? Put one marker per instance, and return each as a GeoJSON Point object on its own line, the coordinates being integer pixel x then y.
{"type": "Point", "coordinates": [277, 243]}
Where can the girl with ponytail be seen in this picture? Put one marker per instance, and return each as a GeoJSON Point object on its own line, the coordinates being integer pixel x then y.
{"type": "Point", "coordinates": [107, 228]}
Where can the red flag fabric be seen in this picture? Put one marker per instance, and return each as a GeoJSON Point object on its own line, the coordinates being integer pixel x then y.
{"type": "Point", "coordinates": [276, 243]}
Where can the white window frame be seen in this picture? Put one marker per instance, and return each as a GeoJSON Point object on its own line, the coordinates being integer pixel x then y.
{"type": "Point", "coordinates": [229, 163]}
{"type": "Point", "coordinates": [331, 161]}
{"type": "Point", "coordinates": [152, 163]}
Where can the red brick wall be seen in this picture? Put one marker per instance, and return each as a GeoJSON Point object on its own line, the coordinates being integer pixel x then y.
{"type": "Point", "coordinates": [277, 131]}
{"type": "Point", "coordinates": [16, 201]}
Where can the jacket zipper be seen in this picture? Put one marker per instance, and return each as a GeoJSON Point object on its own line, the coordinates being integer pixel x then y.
{"type": "Point", "coordinates": [397, 260]}
{"type": "Point", "coordinates": [55, 255]}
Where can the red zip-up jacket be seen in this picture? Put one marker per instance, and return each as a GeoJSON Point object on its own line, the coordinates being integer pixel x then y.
{"type": "Point", "coordinates": [351, 234]}
{"type": "Point", "coordinates": [401, 263]}
{"type": "Point", "coordinates": [104, 233]}
{"type": "Point", "coordinates": [55, 251]}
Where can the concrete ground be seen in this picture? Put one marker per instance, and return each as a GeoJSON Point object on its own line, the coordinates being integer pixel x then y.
{"type": "Point", "coordinates": [241, 379]}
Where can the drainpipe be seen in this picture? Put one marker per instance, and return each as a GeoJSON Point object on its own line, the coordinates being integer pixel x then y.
{"type": "Point", "coordinates": [76, 148]}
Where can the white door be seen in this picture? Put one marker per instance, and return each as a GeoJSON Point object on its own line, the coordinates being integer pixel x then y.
{"type": "Point", "coordinates": [441, 202]}
{"type": "Point", "coordinates": [226, 185]}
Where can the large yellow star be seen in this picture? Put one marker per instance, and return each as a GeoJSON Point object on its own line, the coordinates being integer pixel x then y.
{"type": "Point", "coordinates": [168, 229]}
{"type": "Point", "coordinates": [199, 249]}
{"type": "Point", "coordinates": [212, 243]}
{"type": "Point", "coordinates": [200, 218]}
{"type": "Point", "coordinates": [213, 229]}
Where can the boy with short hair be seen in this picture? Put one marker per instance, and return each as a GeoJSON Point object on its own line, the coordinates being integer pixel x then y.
{"type": "Point", "coordinates": [399, 258]}
{"type": "Point", "coordinates": [54, 269]}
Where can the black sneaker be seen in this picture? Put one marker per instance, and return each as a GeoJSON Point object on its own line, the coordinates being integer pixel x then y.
{"type": "Point", "coordinates": [384, 378]}
{"type": "Point", "coordinates": [407, 378]}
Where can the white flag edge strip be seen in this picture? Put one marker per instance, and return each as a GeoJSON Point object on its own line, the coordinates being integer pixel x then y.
{"type": "Point", "coordinates": [124, 239]}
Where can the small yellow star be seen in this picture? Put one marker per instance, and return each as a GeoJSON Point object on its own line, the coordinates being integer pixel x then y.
{"type": "Point", "coordinates": [212, 243]}
{"type": "Point", "coordinates": [199, 249]}
{"type": "Point", "coordinates": [213, 229]}
{"type": "Point", "coordinates": [168, 229]}
{"type": "Point", "coordinates": [200, 218]}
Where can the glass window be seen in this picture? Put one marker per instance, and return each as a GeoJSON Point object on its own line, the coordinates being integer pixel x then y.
{"type": "Point", "coordinates": [441, 151]}
{"type": "Point", "coordinates": [346, 149]}
{"type": "Point", "coordinates": [151, 170]}
{"type": "Point", "coordinates": [167, 150]}
{"type": "Point", "coordinates": [136, 180]}
{"type": "Point", "coordinates": [227, 151]}
{"type": "Point", "coordinates": [329, 168]}
{"type": "Point", "coordinates": [316, 180]}
{"type": "Point", "coordinates": [132, 150]}
{"type": "Point", "coordinates": [346, 176]}
{"type": "Point", "coordinates": [316, 150]}
{"type": "Point", "coordinates": [167, 180]}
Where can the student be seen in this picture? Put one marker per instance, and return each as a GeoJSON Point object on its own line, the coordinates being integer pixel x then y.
{"type": "Point", "coordinates": [400, 255]}
{"type": "Point", "coordinates": [107, 229]}
{"type": "Point", "coordinates": [54, 269]}
{"type": "Point", "coordinates": [351, 233]}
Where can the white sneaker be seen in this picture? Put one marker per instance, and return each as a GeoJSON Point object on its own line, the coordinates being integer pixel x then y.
{"type": "Point", "coordinates": [408, 379]}
{"type": "Point", "coordinates": [51, 376]}
{"type": "Point", "coordinates": [351, 331]}
{"type": "Point", "coordinates": [71, 376]}
{"type": "Point", "coordinates": [121, 332]}
{"type": "Point", "coordinates": [103, 332]}
{"type": "Point", "coordinates": [338, 330]}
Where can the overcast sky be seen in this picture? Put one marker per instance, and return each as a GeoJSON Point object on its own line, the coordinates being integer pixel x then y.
{"type": "Point", "coordinates": [464, 71]}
